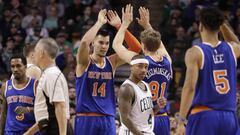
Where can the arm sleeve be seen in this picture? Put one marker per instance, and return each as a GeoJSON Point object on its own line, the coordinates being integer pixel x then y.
{"type": "Point", "coordinates": [132, 42]}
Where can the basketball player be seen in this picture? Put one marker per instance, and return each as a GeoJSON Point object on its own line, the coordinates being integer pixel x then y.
{"type": "Point", "coordinates": [159, 73]}
{"type": "Point", "coordinates": [209, 92]}
{"type": "Point", "coordinates": [135, 101]}
{"type": "Point", "coordinates": [32, 70]}
{"type": "Point", "coordinates": [18, 92]}
{"type": "Point", "coordinates": [94, 84]}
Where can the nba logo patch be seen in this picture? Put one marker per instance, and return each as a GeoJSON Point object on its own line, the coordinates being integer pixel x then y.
{"type": "Point", "coordinates": [9, 87]}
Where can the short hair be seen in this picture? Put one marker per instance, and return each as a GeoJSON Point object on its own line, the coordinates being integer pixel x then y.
{"type": "Point", "coordinates": [151, 40]}
{"type": "Point", "coordinates": [19, 56]}
{"type": "Point", "coordinates": [138, 56]}
{"type": "Point", "coordinates": [103, 32]}
{"type": "Point", "coordinates": [50, 46]}
{"type": "Point", "coordinates": [211, 18]}
{"type": "Point", "coordinates": [28, 48]}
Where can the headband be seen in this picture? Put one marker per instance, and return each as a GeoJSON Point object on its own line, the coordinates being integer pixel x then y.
{"type": "Point", "coordinates": [137, 61]}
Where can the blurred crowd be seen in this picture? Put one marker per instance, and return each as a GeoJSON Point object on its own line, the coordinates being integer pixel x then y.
{"type": "Point", "coordinates": [26, 21]}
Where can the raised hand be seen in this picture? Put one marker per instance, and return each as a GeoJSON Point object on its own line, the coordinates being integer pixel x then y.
{"type": "Point", "coordinates": [113, 19]}
{"type": "Point", "coordinates": [102, 18]}
{"type": "Point", "coordinates": [144, 19]}
{"type": "Point", "coordinates": [162, 101]}
{"type": "Point", "coordinates": [127, 15]}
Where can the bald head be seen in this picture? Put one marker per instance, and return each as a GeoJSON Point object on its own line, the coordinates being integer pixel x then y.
{"type": "Point", "coordinates": [50, 46]}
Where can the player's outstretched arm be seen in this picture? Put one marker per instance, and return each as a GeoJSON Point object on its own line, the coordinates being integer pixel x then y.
{"type": "Point", "coordinates": [126, 98]}
{"type": "Point", "coordinates": [83, 50]}
{"type": "Point", "coordinates": [230, 37]}
{"type": "Point", "coordinates": [228, 33]}
{"type": "Point", "coordinates": [123, 53]}
{"type": "Point", "coordinates": [144, 18]}
{"type": "Point", "coordinates": [193, 62]}
{"type": "Point", "coordinates": [3, 110]}
{"type": "Point", "coordinates": [144, 21]}
{"type": "Point", "coordinates": [132, 42]}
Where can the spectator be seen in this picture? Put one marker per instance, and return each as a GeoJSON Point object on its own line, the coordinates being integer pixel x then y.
{"type": "Point", "coordinates": [57, 5]}
{"type": "Point", "coordinates": [34, 36]}
{"type": "Point", "coordinates": [8, 53]}
{"type": "Point", "coordinates": [51, 22]}
{"type": "Point", "coordinates": [61, 59]}
{"type": "Point", "coordinates": [87, 18]}
{"type": "Point", "coordinates": [72, 95]}
{"type": "Point", "coordinates": [70, 64]}
{"type": "Point", "coordinates": [71, 78]}
{"type": "Point", "coordinates": [74, 11]}
{"type": "Point", "coordinates": [17, 8]}
{"type": "Point", "coordinates": [33, 15]}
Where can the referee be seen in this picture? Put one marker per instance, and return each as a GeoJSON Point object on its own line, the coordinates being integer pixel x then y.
{"type": "Point", "coordinates": [51, 107]}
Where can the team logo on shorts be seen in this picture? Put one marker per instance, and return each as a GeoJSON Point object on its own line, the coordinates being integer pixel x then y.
{"type": "Point", "coordinates": [9, 87]}
{"type": "Point", "coordinates": [20, 117]}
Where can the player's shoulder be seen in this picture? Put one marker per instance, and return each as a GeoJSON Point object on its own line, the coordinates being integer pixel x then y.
{"type": "Point", "coordinates": [126, 91]}
{"type": "Point", "coordinates": [194, 54]}
{"type": "Point", "coordinates": [194, 51]}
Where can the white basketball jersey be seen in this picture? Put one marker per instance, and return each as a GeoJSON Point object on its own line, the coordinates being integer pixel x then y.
{"type": "Point", "coordinates": [142, 111]}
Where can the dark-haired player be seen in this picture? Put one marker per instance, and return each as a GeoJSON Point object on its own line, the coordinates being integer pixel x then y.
{"type": "Point", "coordinates": [159, 73]}
{"type": "Point", "coordinates": [209, 92]}
{"type": "Point", "coordinates": [94, 84]}
{"type": "Point", "coordinates": [32, 70]}
{"type": "Point", "coordinates": [135, 100]}
{"type": "Point", "coordinates": [18, 92]}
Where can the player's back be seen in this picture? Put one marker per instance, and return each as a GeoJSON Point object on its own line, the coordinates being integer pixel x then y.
{"type": "Point", "coordinates": [216, 85]}
{"type": "Point", "coordinates": [159, 77]}
{"type": "Point", "coordinates": [19, 97]}
{"type": "Point", "coordinates": [95, 90]}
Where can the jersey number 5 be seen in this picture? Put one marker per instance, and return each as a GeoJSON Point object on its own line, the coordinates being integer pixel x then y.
{"type": "Point", "coordinates": [221, 82]}
{"type": "Point", "coordinates": [154, 87]}
{"type": "Point", "coordinates": [100, 89]}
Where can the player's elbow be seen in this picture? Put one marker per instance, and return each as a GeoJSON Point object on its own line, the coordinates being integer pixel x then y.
{"type": "Point", "coordinates": [115, 44]}
{"type": "Point", "coordinates": [189, 88]}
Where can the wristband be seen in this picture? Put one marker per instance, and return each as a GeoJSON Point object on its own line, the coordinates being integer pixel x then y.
{"type": "Point", "coordinates": [181, 119]}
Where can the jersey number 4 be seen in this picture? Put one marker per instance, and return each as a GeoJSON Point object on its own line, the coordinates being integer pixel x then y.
{"type": "Point", "coordinates": [100, 89]}
{"type": "Point", "coordinates": [154, 87]}
{"type": "Point", "coordinates": [221, 82]}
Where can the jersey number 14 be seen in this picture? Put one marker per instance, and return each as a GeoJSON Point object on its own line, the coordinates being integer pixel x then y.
{"type": "Point", "coordinates": [99, 89]}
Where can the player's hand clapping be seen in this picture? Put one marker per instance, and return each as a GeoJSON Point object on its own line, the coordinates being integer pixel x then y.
{"type": "Point", "coordinates": [144, 19]}
{"type": "Point", "coordinates": [114, 19]}
{"type": "Point", "coordinates": [102, 18]}
{"type": "Point", "coordinates": [127, 15]}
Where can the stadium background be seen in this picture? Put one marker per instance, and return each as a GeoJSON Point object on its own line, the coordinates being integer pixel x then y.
{"type": "Point", "coordinates": [24, 21]}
